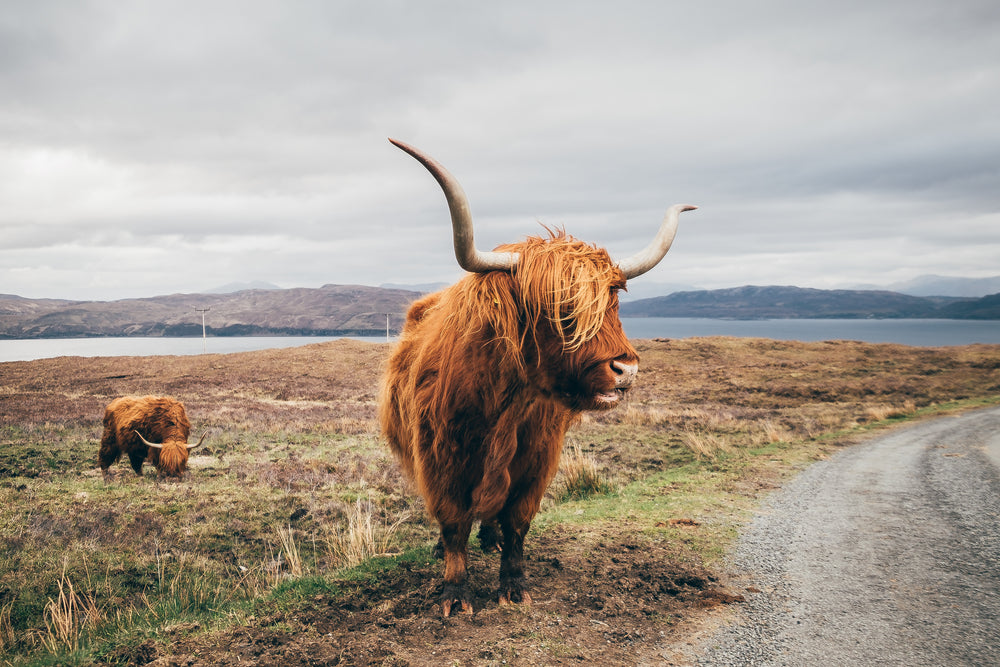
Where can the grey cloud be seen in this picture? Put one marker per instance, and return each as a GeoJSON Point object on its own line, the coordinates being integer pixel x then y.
{"type": "Point", "coordinates": [798, 127]}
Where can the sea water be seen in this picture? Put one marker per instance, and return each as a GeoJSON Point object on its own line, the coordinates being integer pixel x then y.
{"type": "Point", "coordinates": [931, 333]}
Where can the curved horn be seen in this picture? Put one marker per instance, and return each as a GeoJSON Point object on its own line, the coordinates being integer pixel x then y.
{"type": "Point", "coordinates": [644, 260]}
{"type": "Point", "coordinates": [190, 447]}
{"type": "Point", "coordinates": [468, 257]}
{"type": "Point", "coordinates": [151, 444]}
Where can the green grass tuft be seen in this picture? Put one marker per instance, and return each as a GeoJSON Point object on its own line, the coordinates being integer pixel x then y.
{"type": "Point", "coordinates": [580, 477]}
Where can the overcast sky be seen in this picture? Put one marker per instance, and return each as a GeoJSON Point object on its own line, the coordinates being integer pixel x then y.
{"type": "Point", "coordinates": [151, 148]}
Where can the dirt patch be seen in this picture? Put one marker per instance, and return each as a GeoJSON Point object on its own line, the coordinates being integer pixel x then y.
{"type": "Point", "coordinates": [593, 603]}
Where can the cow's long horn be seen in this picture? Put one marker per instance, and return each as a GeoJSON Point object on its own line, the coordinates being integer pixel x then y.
{"type": "Point", "coordinates": [644, 260]}
{"type": "Point", "coordinates": [199, 442]}
{"type": "Point", "coordinates": [151, 444]}
{"type": "Point", "coordinates": [468, 257]}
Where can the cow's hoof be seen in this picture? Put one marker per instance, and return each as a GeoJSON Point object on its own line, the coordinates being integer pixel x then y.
{"type": "Point", "coordinates": [512, 592]}
{"type": "Point", "coordinates": [490, 540]}
{"type": "Point", "coordinates": [508, 599]}
{"type": "Point", "coordinates": [453, 594]}
{"type": "Point", "coordinates": [448, 606]}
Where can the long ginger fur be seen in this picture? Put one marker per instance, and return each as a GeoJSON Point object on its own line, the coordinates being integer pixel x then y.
{"type": "Point", "coordinates": [488, 376]}
{"type": "Point", "coordinates": [160, 419]}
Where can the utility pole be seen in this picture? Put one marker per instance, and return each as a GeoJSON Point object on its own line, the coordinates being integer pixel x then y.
{"type": "Point", "coordinates": [204, 338]}
{"type": "Point", "coordinates": [387, 327]}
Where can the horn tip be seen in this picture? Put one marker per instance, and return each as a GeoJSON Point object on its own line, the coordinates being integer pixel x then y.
{"type": "Point", "coordinates": [400, 144]}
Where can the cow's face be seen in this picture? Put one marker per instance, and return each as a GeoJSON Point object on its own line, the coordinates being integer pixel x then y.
{"type": "Point", "coordinates": [577, 353]}
{"type": "Point", "coordinates": [172, 459]}
{"type": "Point", "coordinates": [595, 375]}
{"type": "Point", "coordinates": [170, 456]}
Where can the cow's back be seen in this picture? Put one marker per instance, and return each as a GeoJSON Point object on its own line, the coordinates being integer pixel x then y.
{"type": "Point", "coordinates": [158, 418]}
{"type": "Point", "coordinates": [397, 401]}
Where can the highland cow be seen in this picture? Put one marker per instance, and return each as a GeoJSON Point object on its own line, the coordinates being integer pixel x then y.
{"type": "Point", "coordinates": [490, 373]}
{"type": "Point", "coordinates": [153, 427]}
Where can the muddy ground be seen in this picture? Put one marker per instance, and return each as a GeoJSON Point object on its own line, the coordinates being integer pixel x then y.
{"type": "Point", "coordinates": [613, 605]}
{"type": "Point", "coordinates": [617, 594]}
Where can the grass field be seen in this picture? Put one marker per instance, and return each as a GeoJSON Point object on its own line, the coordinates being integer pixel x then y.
{"type": "Point", "coordinates": [294, 540]}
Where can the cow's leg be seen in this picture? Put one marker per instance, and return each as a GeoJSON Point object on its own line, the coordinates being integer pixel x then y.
{"type": "Point", "coordinates": [455, 538]}
{"type": "Point", "coordinates": [108, 454]}
{"type": "Point", "coordinates": [532, 475]}
{"type": "Point", "coordinates": [137, 458]}
{"type": "Point", "coordinates": [514, 522]}
{"type": "Point", "coordinates": [490, 537]}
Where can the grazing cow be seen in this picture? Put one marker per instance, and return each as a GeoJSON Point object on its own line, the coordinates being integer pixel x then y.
{"type": "Point", "coordinates": [490, 373]}
{"type": "Point", "coordinates": [153, 426]}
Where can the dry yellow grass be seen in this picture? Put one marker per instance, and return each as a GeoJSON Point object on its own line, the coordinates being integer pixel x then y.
{"type": "Point", "coordinates": [365, 535]}
{"type": "Point", "coordinates": [290, 551]}
{"type": "Point", "coordinates": [68, 615]}
{"type": "Point", "coordinates": [705, 445]}
{"type": "Point", "coordinates": [294, 479]}
{"type": "Point", "coordinates": [6, 628]}
{"type": "Point", "coordinates": [579, 476]}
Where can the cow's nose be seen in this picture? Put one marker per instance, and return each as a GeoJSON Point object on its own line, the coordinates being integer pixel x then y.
{"type": "Point", "coordinates": [624, 373]}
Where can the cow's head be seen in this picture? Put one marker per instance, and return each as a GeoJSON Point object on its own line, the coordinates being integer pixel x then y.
{"type": "Point", "coordinates": [172, 455]}
{"type": "Point", "coordinates": [552, 303]}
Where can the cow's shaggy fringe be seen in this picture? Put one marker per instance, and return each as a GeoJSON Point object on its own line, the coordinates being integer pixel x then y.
{"type": "Point", "coordinates": [559, 279]}
{"type": "Point", "coordinates": [172, 457]}
{"type": "Point", "coordinates": [568, 282]}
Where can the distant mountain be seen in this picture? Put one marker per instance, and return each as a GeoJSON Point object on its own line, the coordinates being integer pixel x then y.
{"type": "Point", "coordinates": [752, 302]}
{"type": "Point", "coordinates": [423, 288]}
{"type": "Point", "coordinates": [229, 288]}
{"type": "Point", "coordinates": [931, 285]}
{"type": "Point", "coordinates": [642, 289]}
{"type": "Point", "coordinates": [359, 310]}
{"type": "Point", "coordinates": [327, 311]}
{"type": "Point", "coordinates": [986, 308]}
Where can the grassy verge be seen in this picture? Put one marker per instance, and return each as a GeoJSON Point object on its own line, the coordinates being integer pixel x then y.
{"type": "Point", "coordinates": [288, 503]}
{"type": "Point", "coordinates": [98, 565]}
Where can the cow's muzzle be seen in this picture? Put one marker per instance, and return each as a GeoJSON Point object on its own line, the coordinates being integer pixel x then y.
{"type": "Point", "coordinates": [624, 374]}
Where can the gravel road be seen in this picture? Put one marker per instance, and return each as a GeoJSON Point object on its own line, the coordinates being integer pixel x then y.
{"type": "Point", "coordinates": [888, 553]}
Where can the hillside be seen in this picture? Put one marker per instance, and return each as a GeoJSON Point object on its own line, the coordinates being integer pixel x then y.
{"type": "Point", "coordinates": [752, 302]}
{"type": "Point", "coordinates": [933, 285]}
{"type": "Point", "coordinates": [986, 308]}
{"type": "Point", "coordinates": [327, 311]}
{"type": "Point", "coordinates": [334, 310]}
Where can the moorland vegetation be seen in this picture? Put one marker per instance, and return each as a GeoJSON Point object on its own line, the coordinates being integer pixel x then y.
{"type": "Point", "coordinates": [294, 540]}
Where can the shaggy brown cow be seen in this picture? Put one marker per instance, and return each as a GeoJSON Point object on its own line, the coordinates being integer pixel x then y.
{"type": "Point", "coordinates": [490, 373]}
{"type": "Point", "coordinates": [153, 426]}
